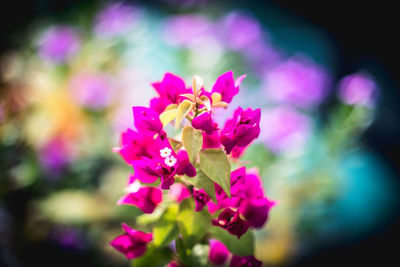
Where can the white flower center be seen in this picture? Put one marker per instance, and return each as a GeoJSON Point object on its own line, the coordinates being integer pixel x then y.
{"type": "Point", "coordinates": [165, 152]}
{"type": "Point", "coordinates": [170, 161]}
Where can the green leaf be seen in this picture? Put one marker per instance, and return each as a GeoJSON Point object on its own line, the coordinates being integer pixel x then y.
{"type": "Point", "coordinates": [193, 141]}
{"type": "Point", "coordinates": [168, 116]}
{"type": "Point", "coordinates": [193, 225]}
{"type": "Point", "coordinates": [183, 109]}
{"type": "Point", "coordinates": [175, 144]}
{"type": "Point", "coordinates": [154, 257]}
{"type": "Point", "coordinates": [215, 164]}
{"type": "Point", "coordinates": [202, 181]}
{"type": "Point", "coordinates": [148, 218]}
{"type": "Point", "coordinates": [166, 229]}
{"type": "Point", "coordinates": [242, 247]}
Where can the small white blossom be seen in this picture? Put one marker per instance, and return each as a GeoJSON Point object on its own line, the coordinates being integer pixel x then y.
{"type": "Point", "coordinates": [165, 152]}
{"type": "Point", "coordinates": [170, 161]}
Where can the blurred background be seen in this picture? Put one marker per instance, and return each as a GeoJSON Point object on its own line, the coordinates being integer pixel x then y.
{"type": "Point", "coordinates": [324, 74]}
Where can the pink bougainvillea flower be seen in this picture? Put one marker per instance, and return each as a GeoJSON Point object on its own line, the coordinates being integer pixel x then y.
{"type": "Point", "coordinates": [145, 198]}
{"type": "Point", "coordinates": [247, 199]}
{"type": "Point", "coordinates": [169, 90]}
{"type": "Point", "coordinates": [135, 146]}
{"type": "Point", "coordinates": [230, 220]}
{"type": "Point", "coordinates": [237, 151]}
{"type": "Point", "coordinates": [132, 243]}
{"type": "Point", "coordinates": [227, 86]}
{"type": "Point", "coordinates": [184, 165]}
{"type": "Point", "coordinates": [238, 261]}
{"type": "Point", "coordinates": [200, 198]}
{"type": "Point", "coordinates": [146, 170]}
{"type": "Point", "coordinates": [179, 192]}
{"type": "Point", "coordinates": [151, 156]}
{"type": "Point", "coordinates": [146, 119]}
{"type": "Point", "coordinates": [204, 122]}
{"type": "Point", "coordinates": [218, 253]}
{"type": "Point", "coordinates": [242, 129]}
{"type": "Point", "coordinates": [358, 89]}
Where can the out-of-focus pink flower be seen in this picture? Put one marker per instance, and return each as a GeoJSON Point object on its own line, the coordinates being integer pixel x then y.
{"type": "Point", "coordinates": [227, 86]}
{"type": "Point", "coordinates": [185, 29]}
{"type": "Point", "coordinates": [132, 243]}
{"type": "Point", "coordinates": [92, 90]}
{"type": "Point", "coordinates": [1, 113]}
{"type": "Point", "coordinates": [175, 263]}
{"type": "Point", "coordinates": [58, 44]}
{"type": "Point", "coordinates": [146, 119]}
{"type": "Point", "coordinates": [184, 165]}
{"type": "Point", "coordinates": [200, 198]}
{"type": "Point", "coordinates": [242, 129]}
{"type": "Point", "coordinates": [238, 261]}
{"type": "Point", "coordinates": [297, 81]}
{"type": "Point", "coordinates": [145, 198]}
{"type": "Point", "coordinates": [169, 90]}
{"type": "Point", "coordinates": [230, 220]}
{"type": "Point", "coordinates": [55, 155]}
{"type": "Point", "coordinates": [218, 253]}
{"type": "Point", "coordinates": [358, 89]}
{"type": "Point", "coordinates": [115, 19]}
{"type": "Point", "coordinates": [179, 192]}
{"type": "Point", "coordinates": [240, 31]}
{"type": "Point", "coordinates": [69, 237]}
{"type": "Point", "coordinates": [284, 129]}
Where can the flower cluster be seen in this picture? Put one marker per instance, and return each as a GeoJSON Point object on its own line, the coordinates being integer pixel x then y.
{"type": "Point", "coordinates": [194, 165]}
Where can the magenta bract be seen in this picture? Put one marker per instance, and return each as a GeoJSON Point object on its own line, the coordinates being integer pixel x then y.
{"type": "Point", "coordinates": [132, 243]}
{"type": "Point", "coordinates": [146, 198]}
{"type": "Point", "coordinates": [200, 198]}
{"type": "Point", "coordinates": [146, 119]}
{"type": "Point", "coordinates": [230, 220]}
{"type": "Point", "coordinates": [242, 129]}
{"type": "Point", "coordinates": [238, 261]}
{"type": "Point", "coordinates": [204, 122]}
{"type": "Point", "coordinates": [218, 253]}
{"type": "Point", "coordinates": [227, 86]}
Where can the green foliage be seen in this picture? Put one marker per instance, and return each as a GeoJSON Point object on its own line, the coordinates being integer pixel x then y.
{"type": "Point", "coordinates": [215, 164]}
{"type": "Point", "coordinates": [154, 257]}
{"type": "Point", "coordinates": [197, 256]}
{"type": "Point", "coordinates": [242, 247]}
{"type": "Point", "coordinates": [183, 109]}
{"type": "Point", "coordinates": [202, 181]}
{"type": "Point", "coordinates": [166, 229]}
{"type": "Point", "coordinates": [193, 141]}
{"type": "Point", "coordinates": [193, 225]}
{"type": "Point", "coordinates": [168, 116]}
